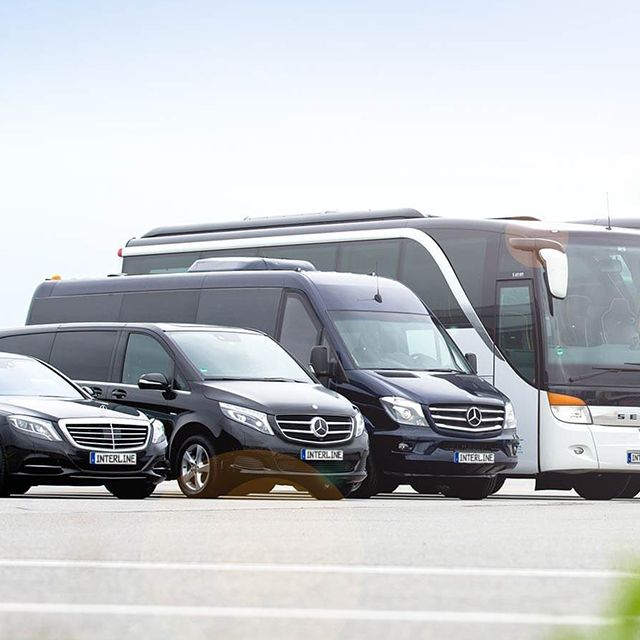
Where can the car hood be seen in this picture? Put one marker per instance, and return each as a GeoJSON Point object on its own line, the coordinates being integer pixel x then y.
{"type": "Point", "coordinates": [279, 397]}
{"type": "Point", "coordinates": [59, 409]}
{"type": "Point", "coordinates": [438, 388]}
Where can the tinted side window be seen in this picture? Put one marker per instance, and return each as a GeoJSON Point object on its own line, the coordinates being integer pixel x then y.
{"type": "Point", "coordinates": [473, 256]}
{"type": "Point", "coordinates": [300, 331]}
{"type": "Point", "coordinates": [84, 355]}
{"type": "Point", "coordinates": [421, 274]}
{"type": "Point", "coordinates": [37, 345]}
{"type": "Point", "coordinates": [379, 256]}
{"type": "Point", "coordinates": [145, 355]}
{"type": "Point", "coordinates": [324, 257]}
{"type": "Point", "coordinates": [159, 306]}
{"type": "Point", "coordinates": [90, 308]}
{"type": "Point", "coordinates": [515, 332]}
{"type": "Point", "coordinates": [249, 308]}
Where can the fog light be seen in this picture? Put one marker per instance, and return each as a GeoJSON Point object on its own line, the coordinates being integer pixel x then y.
{"type": "Point", "coordinates": [404, 446]}
{"type": "Point", "coordinates": [578, 450]}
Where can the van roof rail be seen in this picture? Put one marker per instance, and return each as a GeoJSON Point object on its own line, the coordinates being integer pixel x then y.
{"type": "Point", "coordinates": [521, 218]}
{"type": "Point", "coordinates": [250, 264]}
{"type": "Point", "coordinates": [285, 221]}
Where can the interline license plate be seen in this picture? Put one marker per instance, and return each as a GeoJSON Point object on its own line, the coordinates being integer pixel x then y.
{"type": "Point", "coordinates": [474, 457]}
{"type": "Point", "coordinates": [633, 457]}
{"type": "Point", "coordinates": [321, 454]}
{"type": "Point", "coordinates": [97, 457]}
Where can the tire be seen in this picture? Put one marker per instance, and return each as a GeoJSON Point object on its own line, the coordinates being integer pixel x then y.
{"type": "Point", "coordinates": [19, 487]}
{"type": "Point", "coordinates": [131, 489]}
{"type": "Point", "coordinates": [633, 488]}
{"type": "Point", "coordinates": [370, 485]}
{"type": "Point", "coordinates": [197, 452]}
{"type": "Point", "coordinates": [500, 480]}
{"type": "Point", "coordinates": [468, 488]}
{"type": "Point", "coordinates": [4, 480]}
{"type": "Point", "coordinates": [426, 486]}
{"type": "Point", "coordinates": [601, 486]}
{"type": "Point", "coordinates": [260, 485]}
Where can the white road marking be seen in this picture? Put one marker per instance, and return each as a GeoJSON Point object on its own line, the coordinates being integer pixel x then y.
{"type": "Point", "coordinates": [454, 617]}
{"type": "Point", "coordinates": [133, 565]}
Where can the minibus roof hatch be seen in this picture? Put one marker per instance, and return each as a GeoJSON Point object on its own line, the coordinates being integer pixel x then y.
{"type": "Point", "coordinates": [250, 264]}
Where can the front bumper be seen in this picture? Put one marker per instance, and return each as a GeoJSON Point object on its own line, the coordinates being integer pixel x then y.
{"type": "Point", "coordinates": [41, 462]}
{"type": "Point", "coordinates": [266, 456]}
{"type": "Point", "coordinates": [419, 451]}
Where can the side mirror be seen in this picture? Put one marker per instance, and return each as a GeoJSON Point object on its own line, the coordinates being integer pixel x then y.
{"type": "Point", "coordinates": [320, 361]}
{"type": "Point", "coordinates": [89, 391]}
{"type": "Point", "coordinates": [156, 381]}
{"type": "Point", "coordinates": [472, 359]}
{"type": "Point", "coordinates": [556, 267]}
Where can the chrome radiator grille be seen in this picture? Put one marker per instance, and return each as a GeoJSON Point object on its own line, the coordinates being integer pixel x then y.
{"type": "Point", "coordinates": [468, 418]}
{"type": "Point", "coordinates": [107, 436]}
{"type": "Point", "coordinates": [316, 429]}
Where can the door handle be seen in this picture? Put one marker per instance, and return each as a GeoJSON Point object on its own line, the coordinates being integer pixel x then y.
{"type": "Point", "coordinates": [119, 394]}
{"type": "Point", "coordinates": [97, 391]}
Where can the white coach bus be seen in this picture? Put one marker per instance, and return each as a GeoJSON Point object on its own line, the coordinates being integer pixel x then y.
{"type": "Point", "coordinates": [551, 312]}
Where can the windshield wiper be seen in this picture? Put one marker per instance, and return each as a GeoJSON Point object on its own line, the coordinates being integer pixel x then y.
{"type": "Point", "coordinates": [600, 370]}
{"type": "Point", "coordinates": [446, 370]}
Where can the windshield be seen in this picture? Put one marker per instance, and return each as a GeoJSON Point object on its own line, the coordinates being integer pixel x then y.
{"type": "Point", "coordinates": [238, 356]}
{"type": "Point", "coordinates": [405, 341]}
{"type": "Point", "coordinates": [21, 377]}
{"type": "Point", "coordinates": [592, 337]}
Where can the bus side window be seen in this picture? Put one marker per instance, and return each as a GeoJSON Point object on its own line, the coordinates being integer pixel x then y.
{"type": "Point", "coordinates": [300, 331]}
{"type": "Point", "coordinates": [515, 335]}
{"type": "Point", "coordinates": [370, 256]}
{"type": "Point", "coordinates": [323, 257]}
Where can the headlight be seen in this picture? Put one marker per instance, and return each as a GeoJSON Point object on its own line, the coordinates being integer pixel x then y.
{"type": "Point", "coordinates": [509, 417]}
{"type": "Point", "coordinates": [254, 419]}
{"type": "Point", "coordinates": [404, 411]}
{"type": "Point", "coordinates": [158, 434]}
{"type": "Point", "coordinates": [569, 408]}
{"type": "Point", "coordinates": [359, 422]}
{"type": "Point", "coordinates": [34, 427]}
{"type": "Point", "coordinates": [578, 414]}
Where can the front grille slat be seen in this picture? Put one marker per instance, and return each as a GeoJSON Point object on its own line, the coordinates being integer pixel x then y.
{"type": "Point", "coordinates": [487, 419]}
{"type": "Point", "coordinates": [107, 436]}
{"type": "Point", "coordinates": [298, 429]}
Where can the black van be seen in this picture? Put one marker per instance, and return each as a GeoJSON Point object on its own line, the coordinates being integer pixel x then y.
{"type": "Point", "coordinates": [240, 413]}
{"type": "Point", "coordinates": [435, 424]}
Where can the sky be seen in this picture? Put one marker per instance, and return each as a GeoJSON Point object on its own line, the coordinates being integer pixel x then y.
{"type": "Point", "coordinates": [118, 116]}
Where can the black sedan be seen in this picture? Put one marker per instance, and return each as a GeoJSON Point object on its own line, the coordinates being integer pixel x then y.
{"type": "Point", "coordinates": [53, 432]}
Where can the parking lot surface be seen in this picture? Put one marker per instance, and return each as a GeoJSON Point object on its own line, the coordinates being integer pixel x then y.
{"type": "Point", "coordinates": [77, 563]}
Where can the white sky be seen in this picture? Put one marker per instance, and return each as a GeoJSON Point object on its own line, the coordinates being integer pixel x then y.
{"type": "Point", "coordinates": [116, 117]}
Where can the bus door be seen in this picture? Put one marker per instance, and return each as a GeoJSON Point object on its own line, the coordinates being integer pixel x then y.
{"type": "Point", "coordinates": [516, 363]}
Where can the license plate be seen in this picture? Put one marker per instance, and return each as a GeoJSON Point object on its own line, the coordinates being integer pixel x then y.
{"type": "Point", "coordinates": [473, 457]}
{"type": "Point", "coordinates": [321, 454]}
{"type": "Point", "coordinates": [112, 458]}
{"type": "Point", "coordinates": [633, 457]}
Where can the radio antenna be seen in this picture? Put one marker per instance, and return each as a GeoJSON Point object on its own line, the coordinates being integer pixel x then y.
{"type": "Point", "coordinates": [378, 296]}
{"type": "Point", "coordinates": [608, 214]}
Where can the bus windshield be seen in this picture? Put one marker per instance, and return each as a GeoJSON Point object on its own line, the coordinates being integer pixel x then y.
{"type": "Point", "coordinates": [593, 336]}
{"type": "Point", "coordinates": [397, 341]}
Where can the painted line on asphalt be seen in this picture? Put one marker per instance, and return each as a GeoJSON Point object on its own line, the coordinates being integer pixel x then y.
{"type": "Point", "coordinates": [133, 565]}
{"type": "Point", "coordinates": [377, 615]}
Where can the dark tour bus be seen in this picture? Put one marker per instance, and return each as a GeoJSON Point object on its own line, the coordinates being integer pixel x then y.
{"type": "Point", "coordinates": [432, 422]}
{"type": "Point", "coordinates": [551, 309]}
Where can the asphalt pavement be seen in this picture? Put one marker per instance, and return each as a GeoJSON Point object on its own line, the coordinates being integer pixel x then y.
{"type": "Point", "coordinates": [77, 563]}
